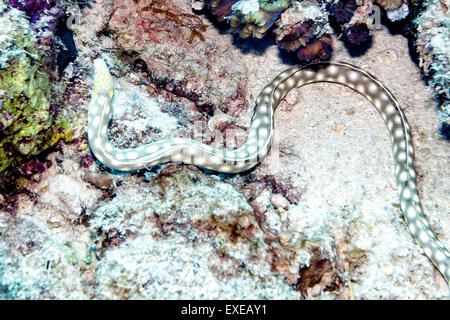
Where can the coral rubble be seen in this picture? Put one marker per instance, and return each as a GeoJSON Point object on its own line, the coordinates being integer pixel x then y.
{"type": "Point", "coordinates": [38, 263]}
{"type": "Point", "coordinates": [174, 244]}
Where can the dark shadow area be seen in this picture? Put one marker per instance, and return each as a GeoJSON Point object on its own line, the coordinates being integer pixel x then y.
{"type": "Point", "coordinates": [85, 3]}
{"type": "Point", "coordinates": [224, 175]}
{"type": "Point", "coordinates": [68, 53]}
{"type": "Point", "coordinates": [404, 28]}
{"type": "Point", "coordinates": [252, 44]}
{"type": "Point", "coordinates": [445, 130]}
{"type": "Point", "coordinates": [290, 58]}
{"type": "Point", "coordinates": [221, 26]}
{"type": "Point", "coordinates": [358, 51]}
{"type": "Point", "coordinates": [261, 45]}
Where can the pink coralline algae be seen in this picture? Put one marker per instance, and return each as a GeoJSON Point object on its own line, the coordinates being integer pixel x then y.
{"type": "Point", "coordinates": [31, 167]}
{"type": "Point", "coordinates": [157, 22]}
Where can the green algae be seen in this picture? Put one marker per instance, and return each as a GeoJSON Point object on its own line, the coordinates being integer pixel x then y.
{"type": "Point", "coordinates": [274, 5]}
{"type": "Point", "coordinates": [31, 99]}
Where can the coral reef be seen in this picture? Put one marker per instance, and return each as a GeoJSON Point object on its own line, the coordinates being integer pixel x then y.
{"type": "Point", "coordinates": [171, 239]}
{"type": "Point", "coordinates": [355, 19]}
{"type": "Point", "coordinates": [303, 26]}
{"type": "Point", "coordinates": [390, 4]}
{"type": "Point", "coordinates": [283, 231]}
{"type": "Point", "coordinates": [352, 19]}
{"type": "Point", "coordinates": [304, 29]}
{"type": "Point", "coordinates": [254, 18]}
{"type": "Point", "coordinates": [433, 31]}
{"type": "Point", "coordinates": [32, 118]}
{"type": "Point", "coordinates": [164, 41]}
{"type": "Point", "coordinates": [298, 26]}
{"type": "Point", "coordinates": [32, 8]}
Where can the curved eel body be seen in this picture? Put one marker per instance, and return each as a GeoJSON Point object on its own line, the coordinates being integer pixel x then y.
{"type": "Point", "coordinates": [260, 136]}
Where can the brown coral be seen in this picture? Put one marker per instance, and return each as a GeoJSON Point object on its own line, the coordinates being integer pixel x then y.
{"type": "Point", "coordinates": [320, 272]}
{"type": "Point", "coordinates": [343, 10]}
{"type": "Point", "coordinates": [357, 34]}
{"type": "Point", "coordinates": [293, 37]}
{"type": "Point", "coordinates": [390, 4]}
{"type": "Point", "coordinates": [317, 50]}
{"type": "Point", "coordinates": [303, 33]}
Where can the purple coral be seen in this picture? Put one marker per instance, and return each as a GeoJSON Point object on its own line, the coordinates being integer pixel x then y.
{"type": "Point", "coordinates": [357, 34]}
{"type": "Point", "coordinates": [342, 11]}
{"type": "Point", "coordinates": [31, 167]}
{"type": "Point", "coordinates": [32, 8]}
{"type": "Point", "coordinates": [349, 18]}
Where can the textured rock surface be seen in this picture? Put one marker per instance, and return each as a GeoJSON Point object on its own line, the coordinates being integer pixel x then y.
{"type": "Point", "coordinates": [317, 219]}
{"type": "Point", "coordinates": [433, 31]}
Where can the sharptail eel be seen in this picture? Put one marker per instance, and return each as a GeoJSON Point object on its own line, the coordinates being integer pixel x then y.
{"type": "Point", "coordinates": [260, 137]}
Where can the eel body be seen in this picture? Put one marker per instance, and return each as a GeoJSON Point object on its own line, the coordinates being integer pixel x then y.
{"type": "Point", "coordinates": [260, 136]}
